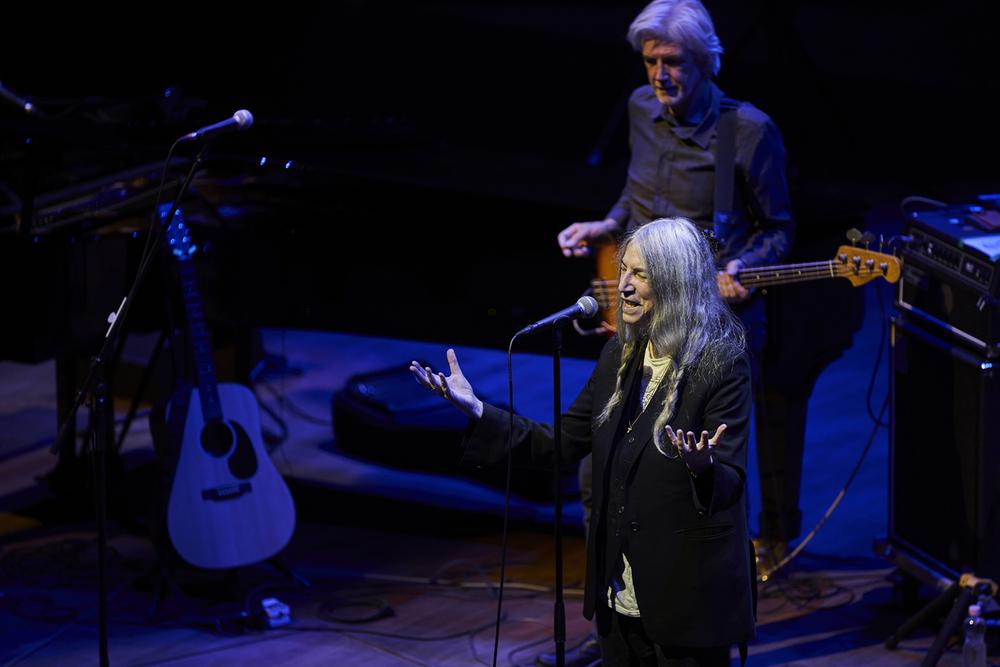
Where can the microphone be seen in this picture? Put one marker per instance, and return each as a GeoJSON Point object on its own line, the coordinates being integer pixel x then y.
{"type": "Point", "coordinates": [584, 308]}
{"type": "Point", "coordinates": [241, 120]}
{"type": "Point", "coordinates": [16, 99]}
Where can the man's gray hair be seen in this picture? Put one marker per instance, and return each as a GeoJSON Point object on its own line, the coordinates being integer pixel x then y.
{"type": "Point", "coordinates": [683, 22]}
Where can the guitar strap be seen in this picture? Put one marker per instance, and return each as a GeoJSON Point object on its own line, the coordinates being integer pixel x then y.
{"type": "Point", "coordinates": [725, 167]}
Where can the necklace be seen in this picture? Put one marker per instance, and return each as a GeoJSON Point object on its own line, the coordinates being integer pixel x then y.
{"type": "Point", "coordinates": [650, 387]}
{"type": "Point", "coordinates": [642, 392]}
{"type": "Point", "coordinates": [632, 423]}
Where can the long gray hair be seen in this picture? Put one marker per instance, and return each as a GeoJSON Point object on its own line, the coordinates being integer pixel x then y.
{"type": "Point", "coordinates": [691, 323]}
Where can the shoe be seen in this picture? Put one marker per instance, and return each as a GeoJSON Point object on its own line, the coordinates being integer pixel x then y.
{"type": "Point", "coordinates": [585, 654]}
{"type": "Point", "coordinates": [768, 555]}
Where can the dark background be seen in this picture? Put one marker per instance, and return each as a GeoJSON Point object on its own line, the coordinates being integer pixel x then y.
{"type": "Point", "coordinates": [438, 147]}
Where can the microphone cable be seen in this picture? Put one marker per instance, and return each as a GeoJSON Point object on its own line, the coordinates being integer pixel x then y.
{"type": "Point", "coordinates": [764, 576]}
{"type": "Point", "coordinates": [147, 251]}
{"type": "Point", "coordinates": [506, 502]}
{"type": "Point", "coordinates": [876, 419]}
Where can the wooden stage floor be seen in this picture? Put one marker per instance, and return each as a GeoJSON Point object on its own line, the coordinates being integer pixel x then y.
{"type": "Point", "coordinates": [418, 552]}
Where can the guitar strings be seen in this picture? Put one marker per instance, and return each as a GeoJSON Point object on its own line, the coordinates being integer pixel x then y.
{"type": "Point", "coordinates": [810, 271]}
{"type": "Point", "coordinates": [607, 290]}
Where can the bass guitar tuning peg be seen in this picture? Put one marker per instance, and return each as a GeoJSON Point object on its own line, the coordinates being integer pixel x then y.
{"type": "Point", "coordinates": [853, 235]}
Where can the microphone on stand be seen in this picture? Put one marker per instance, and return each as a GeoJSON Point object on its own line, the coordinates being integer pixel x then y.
{"type": "Point", "coordinates": [16, 99]}
{"type": "Point", "coordinates": [241, 120]}
{"type": "Point", "coordinates": [585, 307]}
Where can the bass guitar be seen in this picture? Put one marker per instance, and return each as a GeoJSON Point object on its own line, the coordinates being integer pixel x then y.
{"type": "Point", "coordinates": [228, 504]}
{"type": "Point", "coordinates": [858, 265]}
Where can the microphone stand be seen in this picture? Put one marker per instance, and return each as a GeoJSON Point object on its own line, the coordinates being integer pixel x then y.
{"type": "Point", "coordinates": [559, 613]}
{"type": "Point", "coordinates": [97, 384]}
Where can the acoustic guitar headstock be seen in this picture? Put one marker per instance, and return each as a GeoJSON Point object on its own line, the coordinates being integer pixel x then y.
{"type": "Point", "coordinates": [178, 235]}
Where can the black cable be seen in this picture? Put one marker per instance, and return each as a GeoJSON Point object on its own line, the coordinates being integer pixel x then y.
{"type": "Point", "coordinates": [281, 407]}
{"type": "Point", "coordinates": [248, 598]}
{"type": "Point", "coordinates": [447, 566]}
{"type": "Point", "coordinates": [380, 608]}
{"type": "Point", "coordinates": [806, 591]}
{"type": "Point", "coordinates": [279, 438]}
{"type": "Point", "coordinates": [471, 634]}
{"type": "Point", "coordinates": [761, 576]}
{"type": "Point", "coordinates": [393, 635]}
{"type": "Point", "coordinates": [528, 645]}
{"type": "Point", "coordinates": [27, 564]}
{"type": "Point", "coordinates": [878, 361]}
{"type": "Point", "coordinates": [920, 200]}
{"type": "Point", "coordinates": [39, 608]}
{"type": "Point", "coordinates": [147, 251]}
{"type": "Point", "coordinates": [515, 650]}
{"type": "Point", "coordinates": [506, 501]}
{"type": "Point", "coordinates": [284, 402]}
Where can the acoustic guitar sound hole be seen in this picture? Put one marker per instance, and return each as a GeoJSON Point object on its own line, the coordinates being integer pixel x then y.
{"type": "Point", "coordinates": [216, 439]}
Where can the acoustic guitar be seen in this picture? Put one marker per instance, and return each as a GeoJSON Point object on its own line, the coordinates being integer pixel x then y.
{"type": "Point", "coordinates": [858, 265]}
{"type": "Point", "coordinates": [228, 504]}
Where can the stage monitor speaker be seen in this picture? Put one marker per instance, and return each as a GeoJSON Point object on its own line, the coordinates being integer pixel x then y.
{"type": "Point", "coordinates": [385, 417]}
{"type": "Point", "coordinates": [944, 451]}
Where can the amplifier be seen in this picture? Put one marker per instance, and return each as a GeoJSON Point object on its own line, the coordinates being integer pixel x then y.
{"type": "Point", "coordinates": [950, 274]}
{"type": "Point", "coordinates": [944, 453]}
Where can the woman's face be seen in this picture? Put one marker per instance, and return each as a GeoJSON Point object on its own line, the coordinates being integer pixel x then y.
{"type": "Point", "coordinates": [636, 298]}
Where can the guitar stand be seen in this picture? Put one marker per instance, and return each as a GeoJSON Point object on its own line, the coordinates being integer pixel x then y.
{"type": "Point", "coordinates": [959, 595]}
{"type": "Point", "coordinates": [281, 565]}
{"type": "Point", "coordinates": [165, 583]}
{"type": "Point", "coordinates": [144, 380]}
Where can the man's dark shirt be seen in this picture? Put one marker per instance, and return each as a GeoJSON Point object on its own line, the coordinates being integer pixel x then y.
{"type": "Point", "coordinates": [672, 173]}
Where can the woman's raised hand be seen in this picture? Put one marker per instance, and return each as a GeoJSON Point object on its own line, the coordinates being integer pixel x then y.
{"type": "Point", "coordinates": [455, 388]}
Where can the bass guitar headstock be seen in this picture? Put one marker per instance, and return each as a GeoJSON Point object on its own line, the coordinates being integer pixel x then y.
{"type": "Point", "coordinates": [860, 265]}
{"type": "Point", "coordinates": [866, 264]}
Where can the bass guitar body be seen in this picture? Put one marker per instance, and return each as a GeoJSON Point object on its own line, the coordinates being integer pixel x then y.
{"type": "Point", "coordinates": [228, 504]}
{"type": "Point", "coordinates": [604, 286]}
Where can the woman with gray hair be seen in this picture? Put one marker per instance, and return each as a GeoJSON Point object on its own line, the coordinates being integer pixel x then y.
{"type": "Point", "coordinates": [666, 415]}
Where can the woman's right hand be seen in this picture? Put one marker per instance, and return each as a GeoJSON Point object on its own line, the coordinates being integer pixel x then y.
{"type": "Point", "coordinates": [455, 388]}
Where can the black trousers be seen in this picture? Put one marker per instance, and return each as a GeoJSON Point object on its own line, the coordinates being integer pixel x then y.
{"type": "Point", "coordinates": [627, 645]}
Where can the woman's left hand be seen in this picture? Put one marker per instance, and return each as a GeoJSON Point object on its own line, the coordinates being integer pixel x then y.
{"type": "Point", "coordinates": [696, 453]}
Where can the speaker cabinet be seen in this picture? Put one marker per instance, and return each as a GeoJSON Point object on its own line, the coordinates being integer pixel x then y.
{"type": "Point", "coordinates": [385, 417]}
{"type": "Point", "coordinates": [944, 451]}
